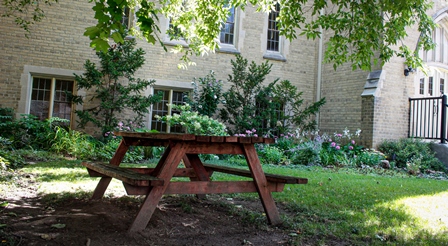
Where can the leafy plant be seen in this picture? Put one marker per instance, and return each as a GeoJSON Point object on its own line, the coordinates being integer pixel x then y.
{"type": "Point", "coordinates": [6, 115]}
{"type": "Point", "coordinates": [271, 155]}
{"type": "Point", "coordinates": [249, 104]}
{"type": "Point", "coordinates": [409, 150]}
{"type": "Point", "coordinates": [30, 132]}
{"type": "Point", "coordinates": [115, 87]}
{"type": "Point", "coordinates": [193, 122]}
{"type": "Point", "coordinates": [206, 95]}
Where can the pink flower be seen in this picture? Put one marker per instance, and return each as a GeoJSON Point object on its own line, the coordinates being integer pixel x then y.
{"type": "Point", "coordinates": [338, 147]}
{"type": "Point", "coordinates": [353, 142]}
{"type": "Point", "coordinates": [350, 147]}
{"type": "Point", "coordinates": [333, 144]}
{"type": "Point", "coordinates": [255, 135]}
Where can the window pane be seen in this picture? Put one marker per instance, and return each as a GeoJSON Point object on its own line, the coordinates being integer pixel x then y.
{"type": "Point", "coordinates": [422, 86]}
{"type": "Point", "coordinates": [161, 109]}
{"type": "Point", "coordinates": [40, 97]}
{"type": "Point", "coordinates": [227, 30]}
{"type": "Point", "coordinates": [62, 107]}
{"type": "Point", "coordinates": [430, 86]}
{"type": "Point", "coordinates": [442, 86]}
{"type": "Point", "coordinates": [273, 39]}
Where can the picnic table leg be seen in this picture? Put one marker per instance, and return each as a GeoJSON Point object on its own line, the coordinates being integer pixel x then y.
{"type": "Point", "coordinates": [261, 183]}
{"type": "Point", "coordinates": [193, 161]}
{"type": "Point", "coordinates": [104, 182]}
{"type": "Point", "coordinates": [165, 170]}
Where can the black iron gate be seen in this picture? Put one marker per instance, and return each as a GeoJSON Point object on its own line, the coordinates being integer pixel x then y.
{"type": "Point", "coordinates": [427, 118]}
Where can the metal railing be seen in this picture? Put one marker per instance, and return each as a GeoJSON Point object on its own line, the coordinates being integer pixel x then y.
{"type": "Point", "coordinates": [427, 118]}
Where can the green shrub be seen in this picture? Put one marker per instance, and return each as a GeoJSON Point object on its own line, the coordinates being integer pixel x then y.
{"type": "Point", "coordinates": [206, 95]}
{"type": "Point", "coordinates": [411, 152]}
{"type": "Point", "coordinates": [271, 155]}
{"type": "Point", "coordinates": [30, 132]}
{"type": "Point", "coordinates": [193, 122]}
{"type": "Point", "coordinates": [11, 160]}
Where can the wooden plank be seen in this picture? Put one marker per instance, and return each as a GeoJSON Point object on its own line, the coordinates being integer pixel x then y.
{"type": "Point", "coordinates": [165, 171]}
{"type": "Point", "coordinates": [261, 183]}
{"type": "Point", "coordinates": [217, 139]}
{"type": "Point", "coordinates": [269, 140]}
{"type": "Point", "coordinates": [216, 148]}
{"type": "Point", "coordinates": [123, 174]}
{"type": "Point", "coordinates": [244, 139]}
{"type": "Point", "coordinates": [159, 136]}
{"type": "Point", "coordinates": [104, 182]}
{"type": "Point", "coordinates": [180, 172]}
{"type": "Point", "coordinates": [146, 142]}
{"type": "Point", "coordinates": [257, 140]}
{"type": "Point", "coordinates": [203, 139]}
{"type": "Point", "coordinates": [193, 161]}
{"type": "Point", "coordinates": [206, 187]}
{"type": "Point", "coordinates": [247, 173]}
{"type": "Point", "coordinates": [231, 139]}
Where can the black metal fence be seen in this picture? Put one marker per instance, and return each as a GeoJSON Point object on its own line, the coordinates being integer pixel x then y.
{"type": "Point", "coordinates": [427, 118]}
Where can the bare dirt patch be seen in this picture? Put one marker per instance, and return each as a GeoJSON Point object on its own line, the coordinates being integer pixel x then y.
{"type": "Point", "coordinates": [30, 219]}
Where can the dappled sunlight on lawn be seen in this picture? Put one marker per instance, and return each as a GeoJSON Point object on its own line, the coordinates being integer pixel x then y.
{"type": "Point", "coordinates": [410, 218]}
{"type": "Point", "coordinates": [115, 187]}
{"type": "Point", "coordinates": [431, 210]}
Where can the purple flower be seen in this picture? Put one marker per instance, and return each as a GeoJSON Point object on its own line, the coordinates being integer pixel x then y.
{"type": "Point", "coordinates": [253, 130]}
{"type": "Point", "coordinates": [338, 147]}
{"type": "Point", "coordinates": [353, 142]}
{"type": "Point", "coordinates": [255, 135]}
{"type": "Point", "coordinates": [333, 144]}
{"type": "Point", "coordinates": [350, 147]}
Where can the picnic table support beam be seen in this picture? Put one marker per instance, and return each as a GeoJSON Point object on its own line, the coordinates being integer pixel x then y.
{"type": "Point", "coordinates": [104, 182]}
{"type": "Point", "coordinates": [193, 161]}
{"type": "Point", "coordinates": [165, 170]}
{"type": "Point", "coordinates": [261, 183]}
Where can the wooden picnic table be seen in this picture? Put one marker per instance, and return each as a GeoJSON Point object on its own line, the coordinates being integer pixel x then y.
{"type": "Point", "coordinates": [155, 182]}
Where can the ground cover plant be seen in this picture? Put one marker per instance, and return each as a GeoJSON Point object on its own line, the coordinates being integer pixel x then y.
{"type": "Point", "coordinates": [339, 206]}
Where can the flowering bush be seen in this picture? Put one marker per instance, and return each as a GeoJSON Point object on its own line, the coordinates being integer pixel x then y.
{"type": "Point", "coordinates": [206, 96]}
{"type": "Point", "coordinates": [193, 122]}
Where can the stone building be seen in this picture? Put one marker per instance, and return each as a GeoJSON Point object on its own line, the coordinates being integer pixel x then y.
{"type": "Point", "coordinates": [35, 69]}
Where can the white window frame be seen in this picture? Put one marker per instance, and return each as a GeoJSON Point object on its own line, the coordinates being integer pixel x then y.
{"type": "Point", "coordinates": [232, 48]}
{"type": "Point", "coordinates": [283, 48]}
{"type": "Point", "coordinates": [52, 91]}
{"type": "Point", "coordinates": [170, 86]}
{"type": "Point", "coordinates": [26, 84]}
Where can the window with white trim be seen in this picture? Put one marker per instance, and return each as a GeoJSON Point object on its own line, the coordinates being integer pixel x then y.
{"type": "Point", "coordinates": [273, 38]}
{"type": "Point", "coordinates": [422, 86]}
{"type": "Point", "coordinates": [442, 86]}
{"type": "Point", "coordinates": [162, 108]}
{"type": "Point", "coordinates": [275, 45]}
{"type": "Point", "coordinates": [227, 35]}
{"type": "Point", "coordinates": [49, 98]}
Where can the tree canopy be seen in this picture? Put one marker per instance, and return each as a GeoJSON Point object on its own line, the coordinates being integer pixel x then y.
{"type": "Point", "coordinates": [362, 33]}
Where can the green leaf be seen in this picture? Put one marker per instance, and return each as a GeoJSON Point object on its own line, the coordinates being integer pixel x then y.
{"type": "Point", "coordinates": [100, 44]}
{"type": "Point", "coordinates": [117, 37]}
{"type": "Point", "coordinates": [58, 226]}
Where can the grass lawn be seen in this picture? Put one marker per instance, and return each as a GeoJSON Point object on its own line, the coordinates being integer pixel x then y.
{"type": "Point", "coordinates": [336, 203]}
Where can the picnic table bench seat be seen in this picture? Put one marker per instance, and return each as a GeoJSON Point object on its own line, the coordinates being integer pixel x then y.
{"type": "Point", "coordinates": [246, 173]}
{"type": "Point", "coordinates": [101, 169]}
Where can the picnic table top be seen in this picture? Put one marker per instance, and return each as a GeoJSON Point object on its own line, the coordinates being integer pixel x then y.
{"type": "Point", "coordinates": [193, 137]}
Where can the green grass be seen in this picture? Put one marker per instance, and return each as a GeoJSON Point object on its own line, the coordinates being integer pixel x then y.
{"type": "Point", "coordinates": [338, 204]}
